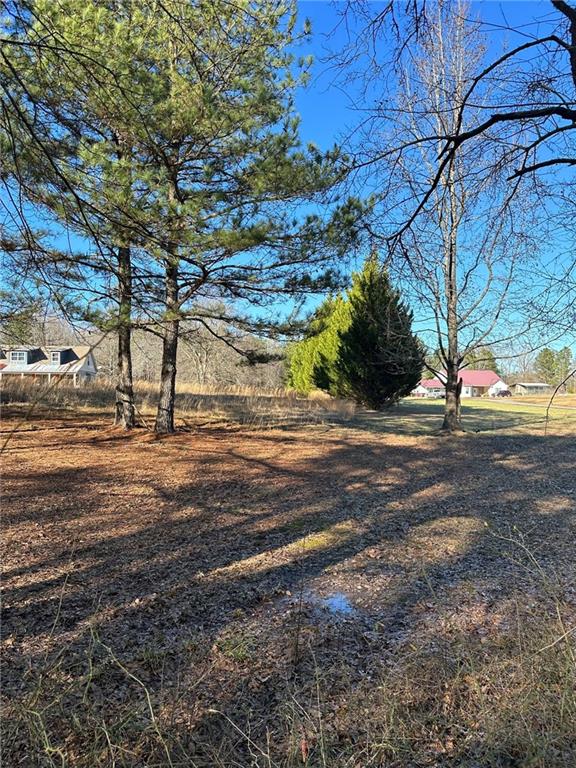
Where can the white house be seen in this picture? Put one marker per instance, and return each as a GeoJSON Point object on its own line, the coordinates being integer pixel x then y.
{"type": "Point", "coordinates": [74, 364]}
{"type": "Point", "coordinates": [429, 388]}
{"type": "Point", "coordinates": [474, 384]}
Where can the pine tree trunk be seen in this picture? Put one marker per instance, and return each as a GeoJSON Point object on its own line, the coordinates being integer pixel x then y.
{"type": "Point", "coordinates": [165, 414]}
{"type": "Point", "coordinates": [125, 414]}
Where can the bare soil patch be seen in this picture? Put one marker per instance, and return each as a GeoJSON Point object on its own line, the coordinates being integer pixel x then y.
{"type": "Point", "coordinates": [326, 597]}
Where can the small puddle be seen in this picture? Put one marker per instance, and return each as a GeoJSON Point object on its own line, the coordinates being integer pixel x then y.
{"type": "Point", "coordinates": [337, 603]}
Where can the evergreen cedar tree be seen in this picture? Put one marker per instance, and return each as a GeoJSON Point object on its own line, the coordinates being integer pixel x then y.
{"type": "Point", "coordinates": [312, 360]}
{"type": "Point", "coordinates": [362, 345]}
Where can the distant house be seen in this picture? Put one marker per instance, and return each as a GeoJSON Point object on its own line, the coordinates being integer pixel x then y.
{"type": "Point", "coordinates": [532, 388]}
{"type": "Point", "coordinates": [429, 388]}
{"type": "Point", "coordinates": [474, 384]}
{"type": "Point", "coordinates": [74, 364]}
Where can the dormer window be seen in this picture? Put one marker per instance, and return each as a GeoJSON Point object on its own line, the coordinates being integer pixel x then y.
{"type": "Point", "coordinates": [19, 356]}
{"type": "Point", "coordinates": [55, 358]}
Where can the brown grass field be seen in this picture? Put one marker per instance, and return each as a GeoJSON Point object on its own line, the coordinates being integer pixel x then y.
{"type": "Point", "coordinates": [347, 591]}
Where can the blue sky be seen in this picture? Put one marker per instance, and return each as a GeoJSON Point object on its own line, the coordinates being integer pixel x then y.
{"type": "Point", "coordinates": [327, 108]}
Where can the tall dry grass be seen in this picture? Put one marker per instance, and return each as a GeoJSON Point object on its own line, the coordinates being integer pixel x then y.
{"type": "Point", "coordinates": [249, 406]}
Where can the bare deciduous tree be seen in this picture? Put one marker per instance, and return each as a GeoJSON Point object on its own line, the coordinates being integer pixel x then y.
{"type": "Point", "coordinates": [462, 255]}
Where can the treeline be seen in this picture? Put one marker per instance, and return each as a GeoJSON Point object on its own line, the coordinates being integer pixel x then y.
{"type": "Point", "coordinates": [482, 358]}
{"type": "Point", "coordinates": [555, 367]}
{"type": "Point", "coordinates": [202, 359]}
{"type": "Point", "coordinates": [153, 176]}
{"type": "Point", "coordinates": [152, 156]}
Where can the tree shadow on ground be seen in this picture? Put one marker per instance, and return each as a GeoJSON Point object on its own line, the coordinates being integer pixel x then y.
{"type": "Point", "coordinates": [416, 417]}
{"type": "Point", "coordinates": [195, 541]}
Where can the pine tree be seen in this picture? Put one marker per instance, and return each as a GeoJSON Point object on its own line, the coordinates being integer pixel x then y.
{"type": "Point", "coordinates": [379, 357]}
{"type": "Point", "coordinates": [564, 364]}
{"type": "Point", "coordinates": [482, 358]}
{"type": "Point", "coordinates": [545, 365]}
{"type": "Point", "coordinates": [67, 118]}
{"type": "Point", "coordinates": [196, 151]}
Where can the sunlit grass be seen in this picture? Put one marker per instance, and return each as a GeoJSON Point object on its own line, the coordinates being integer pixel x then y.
{"type": "Point", "coordinates": [449, 659]}
{"type": "Point", "coordinates": [331, 536]}
{"type": "Point", "coordinates": [481, 415]}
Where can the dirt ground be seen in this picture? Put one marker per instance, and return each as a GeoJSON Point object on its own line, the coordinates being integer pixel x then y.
{"type": "Point", "coordinates": [323, 596]}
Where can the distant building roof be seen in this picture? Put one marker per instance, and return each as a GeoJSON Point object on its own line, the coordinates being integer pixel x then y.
{"type": "Point", "coordinates": [481, 378]}
{"type": "Point", "coordinates": [539, 384]}
{"type": "Point", "coordinates": [470, 378]}
{"type": "Point", "coordinates": [431, 383]}
{"type": "Point", "coordinates": [72, 364]}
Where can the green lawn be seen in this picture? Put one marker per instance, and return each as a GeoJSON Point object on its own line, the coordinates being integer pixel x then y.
{"type": "Point", "coordinates": [418, 417]}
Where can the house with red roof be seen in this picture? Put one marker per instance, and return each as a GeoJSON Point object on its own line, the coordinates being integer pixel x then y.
{"type": "Point", "coordinates": [474, 384]}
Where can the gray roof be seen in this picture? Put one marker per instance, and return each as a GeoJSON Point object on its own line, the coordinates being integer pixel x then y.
{"type": "Point", "coordinates": [532, 384]}
{"type": "Point", "coordinates": [76, 359]}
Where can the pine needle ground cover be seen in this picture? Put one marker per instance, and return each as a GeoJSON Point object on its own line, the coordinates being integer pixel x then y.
{"type": "Point", "coordinates": [322, 596]}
